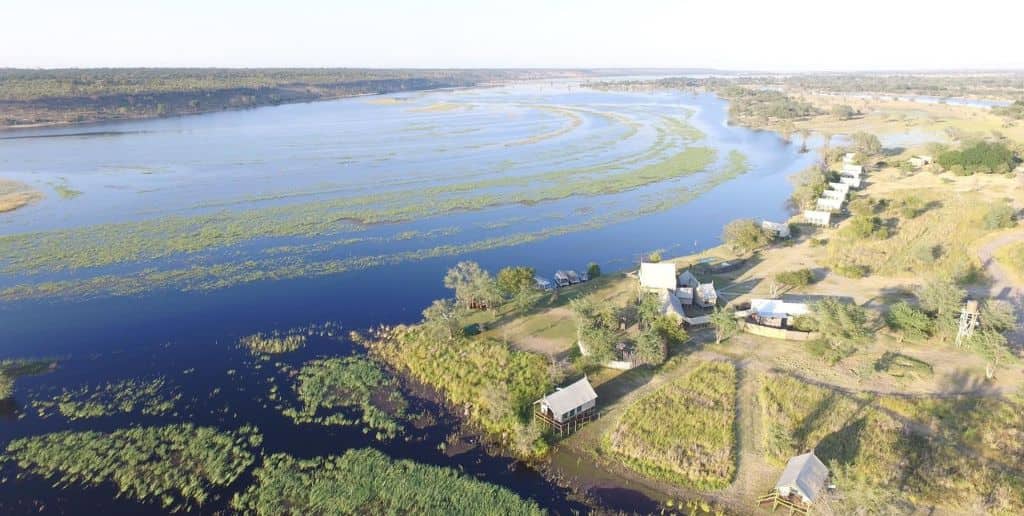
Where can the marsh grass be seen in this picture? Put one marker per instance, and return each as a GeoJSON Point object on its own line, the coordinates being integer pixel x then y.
{"type": "Point", "coordinates": [684, 431]}
{"type": "Point", "coordinates": [12, 369]}
{"type": "Point", "coordinates": [368, 482]}
{"type": "Point", "coordinates": [335, 385]}
{"type": "Point", "coordinates": [177, 465]}
{"type": "Point", "coordinates": [272, 344]}
{"type": "Point", "coordinates": [152, 398]}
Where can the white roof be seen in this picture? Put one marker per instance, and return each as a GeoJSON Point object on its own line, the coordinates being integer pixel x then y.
{"type": "Point", "coordinates": [804, 474]}
{"type": "Point", "coordinates": [826, 204]}
{"type": "Point", "coordinates": [777, 308]}
{"type": "Point", "coordinates": [571, 396]}
{"type": "Point", "coordinates": [658, 275]}
{"type": "Point", "coordinates": [849, 168]}
{"type": "Point", "coordinates": [833, 194]}
{"type": "Point", "coordinates": [841, 187]}
{"type": "Point", "coordinates": [779, 227]}
{"type": "Point", "coordinates": [670, 305]}
{"type": "Point", "coordinates": [817, 217]}
{"type": "Point", "coordinates": [852, 181]}
{"type": "Point", "coordinates": [561, 275]}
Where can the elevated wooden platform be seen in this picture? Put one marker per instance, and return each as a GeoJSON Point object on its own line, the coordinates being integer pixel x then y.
{"type": "Point", "coordinates": [569, 426]}
{"type": "Point", "coordinates": [792, 504]}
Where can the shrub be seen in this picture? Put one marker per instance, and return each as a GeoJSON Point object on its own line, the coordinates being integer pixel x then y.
{"type": "Point", "coordinates": [842, 325]}
{"type": "Point", "coordinates": [797, 278]}
{"type": "Point", "coordinates": [909, 321]}
{"type": "Point", "coordinates": [911, 207]}
{"type": "Point", "coordinates": [979, 157]}
{"type": "Point", "coordinates": [866, 143]}
{"type": "Point", "coordinates": [593, 270]}
{"type": "Point", "coordinates": [1000, 215]}
{"type": "Point", "coordinates": [654, 257]}
{"type": "Point", "coordinates": [745, 235]}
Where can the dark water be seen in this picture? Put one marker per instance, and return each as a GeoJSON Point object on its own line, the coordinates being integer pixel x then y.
{"type": "Point", "coordinates": [189, 337]}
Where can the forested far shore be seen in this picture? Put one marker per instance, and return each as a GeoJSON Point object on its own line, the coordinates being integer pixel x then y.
{"type": "Point", "coordinates": [68, 96]}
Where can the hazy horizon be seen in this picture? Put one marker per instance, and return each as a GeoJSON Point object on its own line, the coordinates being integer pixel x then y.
{"type": "Point", "coordinates": [801, 36]}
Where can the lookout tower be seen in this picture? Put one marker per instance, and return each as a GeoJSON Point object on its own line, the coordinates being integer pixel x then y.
{"type": "Point", "coordinates": [968, 321]}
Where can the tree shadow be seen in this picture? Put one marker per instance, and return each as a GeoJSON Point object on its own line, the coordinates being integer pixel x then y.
{"type": "Point", "coordinates": [843, 445]}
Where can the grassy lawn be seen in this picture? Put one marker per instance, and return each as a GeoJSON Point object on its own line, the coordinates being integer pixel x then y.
{"type": "Point", "coordinates": [889, 453]}
{"type": "Point", "coordinates": [1011, 257]}
{"type": "Point", "coordinates": [682, 432]}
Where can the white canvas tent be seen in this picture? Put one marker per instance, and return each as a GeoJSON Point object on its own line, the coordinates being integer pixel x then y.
{"type": "Point", "coordinates": [805, 476]}
{"type": "Point", "coordinates": [853, 182]}
{"type": "Point", "coordinates": [658, 276]}
{"type": "Point", "coordinates": [817, 218]}
{"type": "Point", "coordinates": [833, 194]}
{"type": "Point", "coordinates": [777, 308]}
{"type": "Point", "coordinates": [826, 204]}
{"type": "Point", "coordinates": [840, 187]}
{"type": "Point", "coordinates": [851, 170]}
{"type": "Point", "coordinates": [779, 229]}
{"type": "Point", "coordinates": [687, 279]}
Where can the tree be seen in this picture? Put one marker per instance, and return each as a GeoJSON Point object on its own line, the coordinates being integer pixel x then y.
{"type": "Point", "coordinates": [998, 316]}
{"type": "Point", "coordinates": [866, 143]}
{"type": "Point", "coordinates": [650, 348]}
{"type": "Point", "coordinates": [654, 257]}
{"type": "Point", "coordinates": [786, 130]}
{"type": "Point", "coordinates": [593, 270]}
{"type": "Point", "coordinates": [473, 286]}
{"type": "Point", "coordinates": [842, 325]}
{"type": "Point", "coordinates": [943, 300]}
{"type": "Point", "coordinates": [648, 309]}
{"type": "Point", "coordinates": [843, 111]}
{"type": "Point", "coordinates": [909, 321]}
{"type": "Point", "coordinates": [993, 346]}
{"type": "Point", "coordinates": [513, 280]}
{"type": "Point", "coordinates": [725, 324]}
{"type": "Point", "coordinates": [745, 235]}
{"type": "Point", "coordinates": [804, 134]}
{"type": "Point", "coordinates": [525, 299]}
{"type": "Point", "coordinates": [807, 187]}
{"type": "Point", "coordinates": [441, 320]}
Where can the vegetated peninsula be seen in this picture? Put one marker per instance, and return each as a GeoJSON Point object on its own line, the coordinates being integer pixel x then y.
{"type": "Point", "coordinates": [68, 96]}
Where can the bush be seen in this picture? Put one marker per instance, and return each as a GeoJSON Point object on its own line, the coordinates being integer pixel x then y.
{"type": "Point", "coordinates": [909, 321]}
{"type": "Point", "coordinates": [866, 143]}
{"type": "Point", "coordinates": [842, 111]}
{"type": "Point", "coordinates": [593, 270]}
{"type": "Point", "coordinates": [1000, 216]}
{"type": "Point", "coordinates": [745, 235]}
{"type": "Point", "coordinates": [911, 207]}
{"type": "Point", "coordinates": [842, 325]}
{"type": "Point", "coordinates": [865, 226]}
{"type": "Point", "coordinates": [797, 278]}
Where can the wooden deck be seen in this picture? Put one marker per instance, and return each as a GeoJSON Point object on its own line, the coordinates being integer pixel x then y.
{"type": "Point", "coordinates": [570, 426]}
{"type": "Point", "coordinates": [792, 504]}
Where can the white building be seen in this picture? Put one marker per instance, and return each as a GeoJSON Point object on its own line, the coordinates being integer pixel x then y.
{"type": "Point", "coordinates": [833, 194]}
{"type": "Point", "coordinates": [920, 161]}
{"type": "Point", "coordinates": [840, 187]}
{"type": "Point", "coordinates": [779, 229]}
{"type": "Point", "coordinates": [687, 279]}
{"type": "Point", "coordinates": [805, 478]}
{"type": "Point", "coordinates": [850, 158]}
{"type": "Point", "coordinates": [817, 218]}
{"type": "Point", "coordinates": [658, 276]}
{"type": "Point", "coordinates": [567, 402]}
{"type": "Point", "coordinates": [851, 170]}
{"type": "Point", "coordinates": [705, 295]}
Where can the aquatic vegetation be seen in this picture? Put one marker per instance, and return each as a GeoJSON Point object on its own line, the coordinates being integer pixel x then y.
{"type": "Point", "coordinates": [15, 194]}
{"type": "Point", "coordinates": [368, 482]}
{"type": "Point", "coordinates": [349, 383]}
{"type": "Point", "coordinates": [152, 398]}
{"type": "Point", "coordinates": [683, 431]}
{"type": "Point", "coordinates": [66, 192]}
{"type": "Point", "coordinates": [11, 370]}
{"type": "Point", "coordinates": [178, 466]}
{"type": "Point", "coordinates": [495, 383]}
{"type": "Point", "coordinates": [272, 344]}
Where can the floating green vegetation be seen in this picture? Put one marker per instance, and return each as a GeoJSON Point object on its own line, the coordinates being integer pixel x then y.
{"type": "Point", "coordinates": [65, 191]}
{"type": "Point", "coordinates": [12, 369]}
{"type": "Point", "coordinates": [229, 274]}
{"type": "Point", "coordinates": [177, 465]}
{"type": "Point", "coordinates": [496, 384]}
{"type": "Point", "coordinates": [339, 384]}
{"type": "Point", "coordinates": [368, 482]}
{"type": "Point", "coordinates": [152, 398]}
{"type": "Point", "coordinates": [684, 431]}
{"type": "Point", "coordinates": [573, 118]}
{"type": "Point", "coordinates": [273, 343]}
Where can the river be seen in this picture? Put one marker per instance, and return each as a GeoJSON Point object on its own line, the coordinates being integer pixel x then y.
{"type": "Point", "coordinates": [347, 211]}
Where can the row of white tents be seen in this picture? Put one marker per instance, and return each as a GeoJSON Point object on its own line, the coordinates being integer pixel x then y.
{"type": "Point", "coordinates": [833, 198]}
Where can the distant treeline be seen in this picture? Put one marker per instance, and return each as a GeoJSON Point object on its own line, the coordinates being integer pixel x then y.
{"type": "Point", "coordinates": [84, 95]}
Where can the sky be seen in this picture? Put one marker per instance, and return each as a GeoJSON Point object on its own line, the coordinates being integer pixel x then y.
{"type": "Point", "coordinates": [780, 35]}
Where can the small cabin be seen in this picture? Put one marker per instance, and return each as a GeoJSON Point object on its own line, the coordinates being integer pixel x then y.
{"type": "Point", "coordinates": [573, 277]}
{"type": "Point", "coordinates": [568, 407]}
{"type": "Point", "coordinates": [826, 204]}
{"type": "Point", "coordinates": [778, 229]}
{"type": "Point", "coordinates": [672, 305]}
{"type": "Point", "coordinates": [849, 157]}
{"type": "Point", "coordinates": [687, 279]}
{"type": "Point", "coordinates": [802, 483]}
{"type": "Point", "coordinates": [818, 218]}
{"type": "Point", "coordinates": [658, 276]}
{"type": "Point", "coordinates": [705, 295]}
{"type": "Point", "coordinates": [562, 279]}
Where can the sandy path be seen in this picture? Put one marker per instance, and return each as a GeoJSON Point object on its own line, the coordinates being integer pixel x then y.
{"type": "Point", "coordinates": [1004, 286]}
